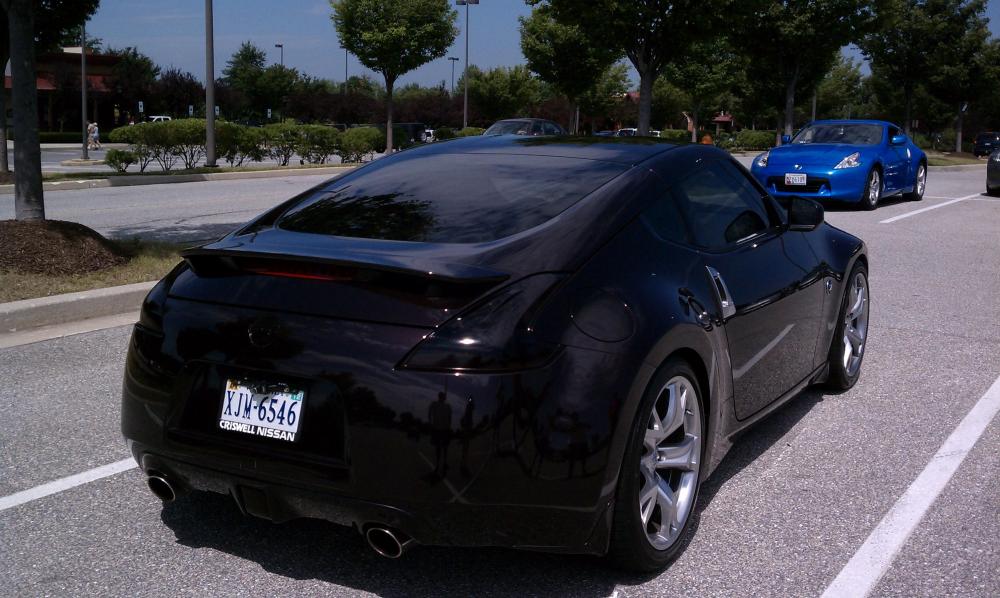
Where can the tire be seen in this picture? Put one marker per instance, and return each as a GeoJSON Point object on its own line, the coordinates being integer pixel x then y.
{"type": "Point", "coordinates": [872, 192]}
{"type": "Point", "coordinates": [993, 191]}
{"type": "Point", "coordinates": [650, 546]}
{"type": "Point", "coordinates": [845, 368]}
{"type": "Point", "coordinates": [919, 184]}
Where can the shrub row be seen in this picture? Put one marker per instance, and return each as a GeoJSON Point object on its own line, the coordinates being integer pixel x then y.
{"type": "Point", "coordinates": [182, 142]}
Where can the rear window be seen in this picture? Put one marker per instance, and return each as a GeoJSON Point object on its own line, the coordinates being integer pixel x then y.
{"type": "Point", "coordinates": [448, 198]}
{"type": "Point", "coordinates": [984, 137]}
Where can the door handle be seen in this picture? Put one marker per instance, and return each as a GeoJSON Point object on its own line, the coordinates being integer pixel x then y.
{"type": "Point", "coordinates": [726, 305]}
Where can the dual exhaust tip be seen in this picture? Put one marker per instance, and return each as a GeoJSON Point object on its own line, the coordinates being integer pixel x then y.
{"type": "Point", "coordinates": [387, 542]}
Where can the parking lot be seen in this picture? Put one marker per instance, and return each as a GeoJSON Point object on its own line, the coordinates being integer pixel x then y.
{"type": "Point", "coordinates": [794, 502]}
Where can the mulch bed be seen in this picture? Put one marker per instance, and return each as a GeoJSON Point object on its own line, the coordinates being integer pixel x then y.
{"type": "Point", "coordinates": [55, 247]}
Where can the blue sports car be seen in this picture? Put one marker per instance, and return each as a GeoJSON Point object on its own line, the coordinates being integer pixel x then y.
{"type": "Point", "coordinates": [858, 161]}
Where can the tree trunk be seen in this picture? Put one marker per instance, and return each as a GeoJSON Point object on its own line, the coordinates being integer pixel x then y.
{"type": "Point", "coordinates": [29, 203]}
{"type": "Point", "coordinates": [907, 107]}
{"type": "Point", "coordinates": [647, 77]}
{"type": "Point", "coordinates": [958, 129]}
{"type": "Point", "coordinates": [4, 59]}
{"type": "Point", "coordinates": [790, 102]}
{"type": "Point", "coordinates": [388, 114]}
{"type": "Point", "coordinates": [694, 125]}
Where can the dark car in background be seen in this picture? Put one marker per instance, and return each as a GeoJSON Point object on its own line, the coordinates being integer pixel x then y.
{"type": "Point", "coordinates": [525, 126]}
{"type": "Point", "coordinates": [549, 346]}
{"type": "Point", "coordinates": [986, 143]}
{"type": "Point", "coordinates": [993, 174]}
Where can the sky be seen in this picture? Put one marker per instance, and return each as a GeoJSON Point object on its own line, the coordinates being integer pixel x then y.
{"type": "Point", "coordinates": [173, 34]}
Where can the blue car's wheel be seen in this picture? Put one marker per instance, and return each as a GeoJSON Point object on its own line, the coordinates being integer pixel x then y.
{"type": "Point", "coordinates": [872, 192]}
{"type": "Point", "coordinates": [919, 184]}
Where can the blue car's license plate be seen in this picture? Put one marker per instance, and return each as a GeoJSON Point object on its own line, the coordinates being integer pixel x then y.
{"type": "Point", "coordinates": [266, 412]}
{"type": "Point", "coordinates": [795, 178]}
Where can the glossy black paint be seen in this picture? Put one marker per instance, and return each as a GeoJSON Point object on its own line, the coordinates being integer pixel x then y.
{"type": "Point", "coordinates": [532, 454]}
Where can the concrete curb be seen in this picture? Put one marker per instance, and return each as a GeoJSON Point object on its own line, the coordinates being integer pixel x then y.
{"type": "Point", "coordinates": [957, 168]}
{"type": "Point", "coordinates": [165, 179]}
{"type": "Point", "coordinates": [60, 309]}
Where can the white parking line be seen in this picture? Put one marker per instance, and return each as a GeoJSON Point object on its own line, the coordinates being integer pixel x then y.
{"type": "Point", "coordinates": [927, 209]}
{"type": "Point", "coordinates": [19, 498]}
{"type": "Point", "coordinates": [873, 559]}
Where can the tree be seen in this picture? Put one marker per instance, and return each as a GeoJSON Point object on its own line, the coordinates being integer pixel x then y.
{"type": "Point", "coordinates": [31, 24]}
{"type": "Point", "coordinates": [175, 90]}
{"type": "Point", "coordinates": [898, 49]}
{"type": "Point", "coordinates": [840, 92]}
{"type": "Point", "coordinates": [241, 76]}
{"type": "Point", "coordinates": [393, 37]}
{"type": "Point", "coordinates": [961, 69]}
{"type": "Point", "coordinates": [799, 40]}
{"type": "Point", "coordinates": [273, 88]}
{"type": "Point", "coordinates": [612, 85]}
{"type": "Point", "coordinates": [563, 56]}
{"type": "Point", "coordinates": [651, 33]}
{"type": "Point", "coordinates": [502, 92]}
{"type": "Point", "coordinates": [708, 70]}
{"type": "Point", "coordinates": [132, 78]}
{"type": "Point", "coordinates": [53, 18]}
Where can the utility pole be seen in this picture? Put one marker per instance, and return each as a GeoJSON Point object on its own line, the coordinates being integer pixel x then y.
{"type": "Point", "coordinates": [209, 86]}
{"type": "Point", "coordinates": [346, 56]}
{"type": "Point", "coordinates": [465, 107]}
{"type": "Point", "coordinates": [282, 48]}
{"type": "Point", "coordinates": [814, 106]}
{"type": "Point", "coordinates": [83, 91]}
{"type": "Point", "coordinates": [453, 60]}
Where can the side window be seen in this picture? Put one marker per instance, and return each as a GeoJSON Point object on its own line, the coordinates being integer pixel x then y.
{"type": "Point", "coordinates": [664, 218]}
{"type": "Point", "coordinates": [721, 206]}
{"type": "Point", "coordinates": [550, 129]}
{"type": "Point", "coordinates": [893, 131]}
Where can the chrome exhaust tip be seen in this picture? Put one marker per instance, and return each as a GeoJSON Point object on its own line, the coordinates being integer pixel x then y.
{"type": "Point", "coordinates": [388, 543]}
{"type": "Point", "coordinates": [161, 488]}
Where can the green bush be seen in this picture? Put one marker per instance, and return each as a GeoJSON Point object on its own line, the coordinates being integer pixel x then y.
{"type": "Point", "coordinates": [755, 140]}
{"type": "Point", "coordinates": [189, 140]}
{"type": "Point", "coordinates": [359, 142]}
{"type": "Point", "coordinates": [281, 141]}
{"type": "Point", "coordinates": [444, 133]}
{"type": "Point", "coordinates": [237, 144]}
{"type": "Point", "coordinates": [676, 135]}
{"type": "Point", "coordinates": [317, 143]}
{"type": "Point", "coordinates": [123, 135]}
{"type": "Point", "coordinates": [119, 160]}
{"type": "Point", "coordinates": [163, 142]}
{"type": "Point", "coordinates": [469, 132]}
{"type": "Point", "coordinates": [139, 143]}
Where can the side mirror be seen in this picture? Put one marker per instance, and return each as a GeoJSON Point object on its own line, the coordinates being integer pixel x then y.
{"type": "Point", "coordinates": [804, 214]}
{"type": "Point", "coordinates": [786, 139]}
{"type": "Point", "coordinates": [899, 140]}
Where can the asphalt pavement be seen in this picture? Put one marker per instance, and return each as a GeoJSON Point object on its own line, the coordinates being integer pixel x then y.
{"type": "Point", "coordinates": [798, 497]}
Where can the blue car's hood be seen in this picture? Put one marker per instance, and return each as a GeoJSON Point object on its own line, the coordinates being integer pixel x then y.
{"type": "Point", "coordinates": [813, 154]}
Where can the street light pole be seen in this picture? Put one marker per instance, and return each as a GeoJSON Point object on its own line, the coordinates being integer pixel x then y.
{"type": "Point", "coordinates": [83, 89]}
{"type": "Point", "coordinates": [453, 60]}
{"type": "Point", "coordinates": [282, 48]}
{"type": "Point", "coordinates": [465, 107]}
{"type": "Point", "coordinates": [346, 56]}
{"type": "Point", "coordinates": [209, 86]}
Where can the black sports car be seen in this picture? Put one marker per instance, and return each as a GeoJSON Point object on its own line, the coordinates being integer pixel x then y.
{"type": "Point", "coordinates": [539, 343]}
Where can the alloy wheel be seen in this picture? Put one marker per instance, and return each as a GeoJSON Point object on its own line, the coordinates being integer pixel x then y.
{"type": "Point", "coordinates": [921, 180]}
{"type": "Point", "coordinates": [874, 188]}
{"type": "Point", "coordinates": [670, 462]}
{"type": "Point", "coordinates": [855, 324]}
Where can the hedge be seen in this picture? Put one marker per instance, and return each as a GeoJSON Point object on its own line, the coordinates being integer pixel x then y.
{"type": "Point", "coordinates": [676, 135]}
{"type": "Point", "coordinates": [755, 140]}
{"type": "Point", "coordinates": [469, 132]}
{"type": "Point", "coordinates": [53, 136]}
{"type": "Point", "coordinates": [182, 141]}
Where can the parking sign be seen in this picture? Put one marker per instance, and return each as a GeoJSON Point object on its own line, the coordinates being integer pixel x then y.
{"type": "Point", "coordinates": [190, 110]}
{"type": "Point", "coordinates": [141, 108]}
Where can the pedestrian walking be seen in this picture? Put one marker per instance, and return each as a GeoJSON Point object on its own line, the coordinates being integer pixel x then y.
{"type": "Point", "coordinates": [90, 135]}
{"type": "Point", "coordinates": [97, 137]}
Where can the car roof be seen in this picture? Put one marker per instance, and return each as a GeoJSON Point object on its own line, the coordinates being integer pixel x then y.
{"type": "Point", "coordinates": [623, 150]}
{"type": "Point", "coordinates": [853, 121]}
{"type": "Point", "coordinates": [523, 120]}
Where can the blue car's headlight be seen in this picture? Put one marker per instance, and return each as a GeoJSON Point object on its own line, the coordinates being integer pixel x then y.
{"type": "Point", "coordinates": [762, 159]}
{"type": "Point", "coordinates": [852, 161]}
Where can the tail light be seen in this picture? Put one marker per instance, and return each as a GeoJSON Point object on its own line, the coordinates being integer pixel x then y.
{"type": "Point", "coordinates": [491, 336]}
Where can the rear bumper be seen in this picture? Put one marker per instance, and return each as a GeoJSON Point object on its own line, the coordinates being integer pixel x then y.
{"type": "Point", "coordinates": [529, 461]}
{"type": "Point", "coordinates": [821, 184]}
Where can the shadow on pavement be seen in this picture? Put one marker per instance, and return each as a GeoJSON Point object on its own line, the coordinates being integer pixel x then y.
{"type": "Point", "coordinates": [314, 549]}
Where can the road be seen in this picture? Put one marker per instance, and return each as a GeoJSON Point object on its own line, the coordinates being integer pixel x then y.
{"type": "Point", "coordinates": [793, 502]}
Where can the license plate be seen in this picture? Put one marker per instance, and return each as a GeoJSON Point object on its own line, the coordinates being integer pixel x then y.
{"type": "Point", "coordinates": [794, 178]}
{"type": "Point", "coordinates": [261, 410]}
